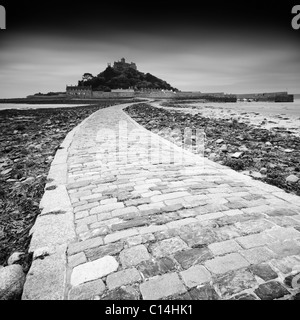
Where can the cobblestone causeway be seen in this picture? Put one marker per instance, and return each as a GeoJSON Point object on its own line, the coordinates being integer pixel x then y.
{"type": "Point", "coordinates": [153, 221]}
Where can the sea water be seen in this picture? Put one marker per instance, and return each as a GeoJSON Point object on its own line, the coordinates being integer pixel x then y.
{"type": "Point", "coordinates": [23, 106]}
{"type": "Point", "coordinates": [291, 109]}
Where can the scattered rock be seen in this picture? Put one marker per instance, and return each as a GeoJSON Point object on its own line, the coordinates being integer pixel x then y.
{"type": "Point", "coordinates": [292, 179]}
{"type": "Point", "coordinates": [243, 149]}
{"type": "Point", "coordinates": [12, 280]}
{"type": "Point", "coordinates": [224, 148]}
{"type": "Point", "coordinates": [219, 141]}
{"type": "Point", "coordinates": [212, 156]}
{"type": "Point", "coordinates": [255, 174]}
{"type": "Point", "coordinates": [263, 170]}
{"type": "Point", "coordinates": [15, 257]}
{"type": "Point", "coordinates": [237, 155]}
{"type": "Point", "coordinates": [5, 172]}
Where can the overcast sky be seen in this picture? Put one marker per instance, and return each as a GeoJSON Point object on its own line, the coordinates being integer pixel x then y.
{"type": "Point", "coordinates": [216, 48]}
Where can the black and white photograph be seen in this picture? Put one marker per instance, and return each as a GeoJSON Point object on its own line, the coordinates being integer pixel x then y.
{"type": "Point", "coordinates": [150, 153]}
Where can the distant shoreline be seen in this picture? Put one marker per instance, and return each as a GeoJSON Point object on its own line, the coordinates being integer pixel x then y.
{"type": "Point", "coordinates": [56, 101]}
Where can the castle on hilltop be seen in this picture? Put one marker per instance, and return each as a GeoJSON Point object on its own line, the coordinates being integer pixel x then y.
{"type": "Point", "coordinates": [122, 65]}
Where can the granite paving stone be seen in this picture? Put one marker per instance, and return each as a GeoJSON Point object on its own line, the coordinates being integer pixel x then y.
{"type": "Point", "coordinates": [123, 277]}
{"type": "Point", "coordinates": [93, 270]}
{"type": "Point", "coordinates": [235, 282]}
{"type": "Point", "coordinates": [87, 290]}
{"type": "Point", "coordinates": [134, 255]}
{"type": "Point", "coordinates": [271, 290]}
{"type": "Point", "coordinates": [195, 276]}
{"type": "Point", "coordinates": [188, 258]}
{"type": "Point", "coordinates": [168, 247]}
{"type": "Point", "coordinates": [223, 264]}
{"type": "Point", "coordinates": [205, 292]}
{"type": "Point", "coordinates": [264, 271]}
{"type": "Point", "coordinates": [162, 287]}
{"type": "Point", "coordinates": [258, 254]}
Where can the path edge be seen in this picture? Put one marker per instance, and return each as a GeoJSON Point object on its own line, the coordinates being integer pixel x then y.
{"type": "Point", "coordinates": [52, 231]}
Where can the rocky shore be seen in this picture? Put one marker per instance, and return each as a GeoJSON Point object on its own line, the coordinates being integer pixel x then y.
{"type": "Point", "coordinates": [28, 142]}
{"type": "Point", "coordinates": [266, 154]}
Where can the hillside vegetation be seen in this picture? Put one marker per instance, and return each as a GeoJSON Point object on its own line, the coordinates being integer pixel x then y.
{"type": "Point", "coordinates": [111, 78]}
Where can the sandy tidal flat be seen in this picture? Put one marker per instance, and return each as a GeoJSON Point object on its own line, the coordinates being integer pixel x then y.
{"type": "Point", "coordinates": [265, 115]}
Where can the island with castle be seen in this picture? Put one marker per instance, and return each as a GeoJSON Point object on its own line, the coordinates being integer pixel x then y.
{"type": "Point", "coordinates": [124, 80]}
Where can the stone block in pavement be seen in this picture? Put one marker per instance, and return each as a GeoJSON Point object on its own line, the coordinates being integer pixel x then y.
{"type": "Point", "coordinates": [221, 248]}
{"type": "Point", "coordinates": [162, 286]}
{"type": "Point", "coordinates": [83, 245]}
{"type": "Point", "coordinates": [76, 259]}
{"type": "Point", "coordinates": [134, 255]}
{"type": "Point", "coordinates": [138, 222]}
{"type": "Point", "coordinates": [223, 264]}
{"type": "Point", "coordinates": [106, 207]}
{"type": "Point", "coordinates": [258, 254]}
{"type": "Point", "coordinates": [167, 247]}
{"type": "Point", "coordinates": [198, 236]}
{"type": "Point", "coordinates": [283, 221]}
{"type": "Point", "coordinates": [116, 236]}
{"type": "Point", "coordinates": [253, 226]}
{"type": "Point", "coordinates": [101, 251]}
{"type": "Point", "coordinates": [282, 234]}
{"type": "Point", "coordinates": [151, 268]}
{"type": "Point", "coordinates": [46, 278]}
{"type": "Point", "coordinates": [87, 290]}
{"type": "Point", "coordinates": [227, 233]}
{"type": "Point", "coordinates": [168, 196]}
{"type": "Point", "coordinates": [86, 221]}
{"type": "Point", "coordinates": [93, 270]}
{"type": "Point", "coordinates": [187, 258]}
{"type": "Point", "coordinates": [124, 211]}
{"type": "Point", "coordinates": [244, 296]}
{"type": "Point", "coordinates": [255, 240]}
{"type": "Point", "coordinates": [287, 264]}
{"type": "Point", "coordinates": [195, 276]}
{"type": "Point", "coordinates": [124, 293]}
{"type": "Point", "coordinates": [285, 248]}
{"type": "Point", "coordinates": [282, 212]}
{"type": "Point", "coordinates": [206, 292]}
{"type": "Point", "coordinates": [235, 282]}
{"type": "Point", "coordinates": [137, 202]}
{"type": "Point", "coordinates": [264, 271]}
{"type": "Point", "coordinates": [182, 296]}
{"type": "Point", "coordinates": [123, 277]}
{"type": "Point", "coordinates": [271, 290]}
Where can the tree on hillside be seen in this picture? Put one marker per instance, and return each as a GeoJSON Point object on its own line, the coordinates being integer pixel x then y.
{"type": "Point", "coordinates": [87, 77]}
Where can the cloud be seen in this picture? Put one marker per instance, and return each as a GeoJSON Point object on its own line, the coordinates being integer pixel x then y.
{"type": "Point", "coordinates": [187, 55]}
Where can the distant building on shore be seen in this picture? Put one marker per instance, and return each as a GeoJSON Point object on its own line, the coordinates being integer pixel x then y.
{"type": "Point", "coordinates": [79, 91]}
{"type": "Point", "coordinates": [86, 92]}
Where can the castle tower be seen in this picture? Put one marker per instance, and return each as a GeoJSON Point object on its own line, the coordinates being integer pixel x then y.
{"type": "Point", "coordinates": [123, 60]}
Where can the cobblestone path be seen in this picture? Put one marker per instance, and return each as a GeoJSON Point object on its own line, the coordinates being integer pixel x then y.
{"type": "Point", "coordinates": [153, 221]}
